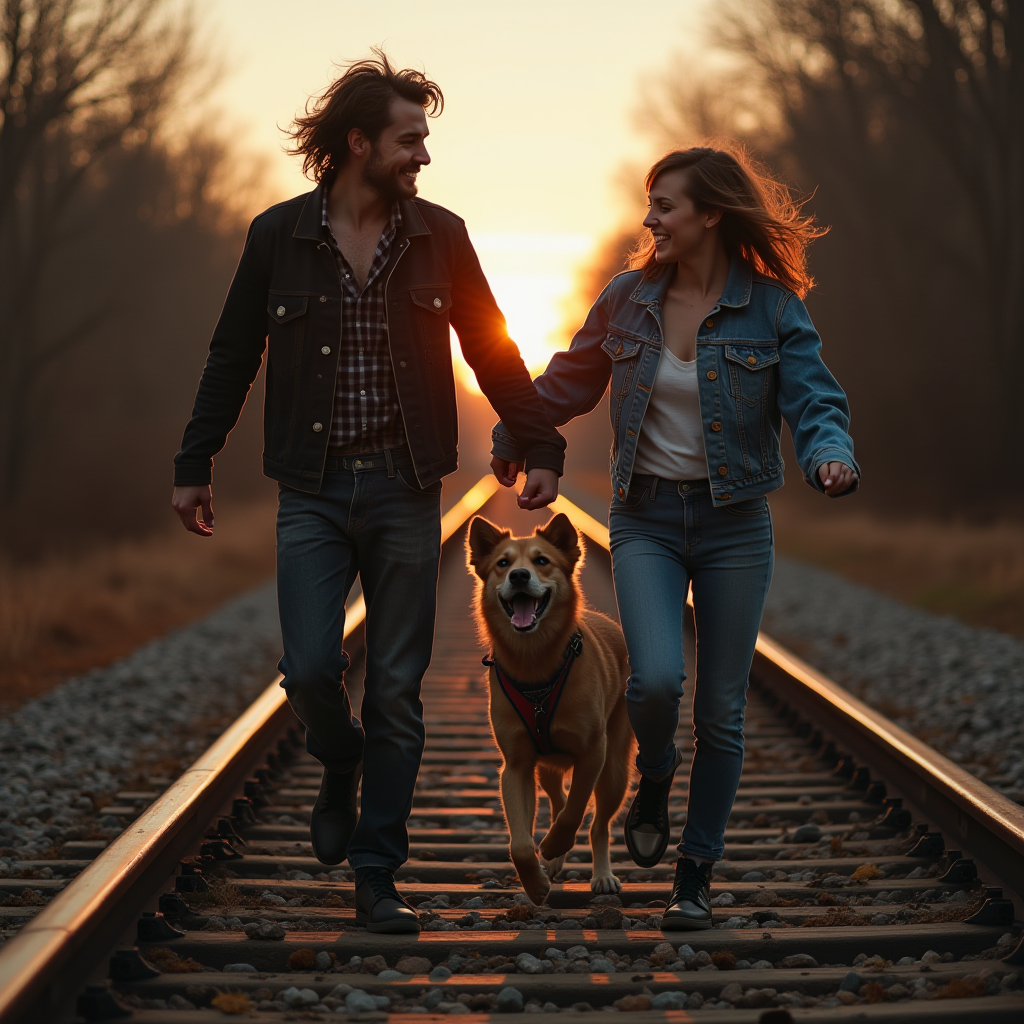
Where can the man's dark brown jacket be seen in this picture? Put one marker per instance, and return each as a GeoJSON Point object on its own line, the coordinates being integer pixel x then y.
{"type": "Point", "coordinates": [286, 297]}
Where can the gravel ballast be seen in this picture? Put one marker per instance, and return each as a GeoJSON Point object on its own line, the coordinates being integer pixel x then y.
{"type": "Point", "coordinates": [64, 753]}
{"type": "Point", "coordinates": [958, 688]}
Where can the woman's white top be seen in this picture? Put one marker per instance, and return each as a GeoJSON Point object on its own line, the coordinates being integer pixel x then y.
{"type": "Point", "coordinates": [671, 442]}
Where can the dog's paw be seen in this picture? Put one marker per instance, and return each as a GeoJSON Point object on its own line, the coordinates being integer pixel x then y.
{"type": "Point", "coordinates": [558, 842]}
{"type": "Point", "coordinates": [537, 888]}
{"type": "Point", "coordinates": [605, 883]}
{"type": "Point", "coordinates": [552, 867]}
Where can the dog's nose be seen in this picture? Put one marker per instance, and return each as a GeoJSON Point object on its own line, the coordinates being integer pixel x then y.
{"type": "Point", "coordinates": [519, 577]}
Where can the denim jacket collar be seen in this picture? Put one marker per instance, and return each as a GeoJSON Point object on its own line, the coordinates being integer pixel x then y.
{"type": "Point", "coordinates": [735, 294]}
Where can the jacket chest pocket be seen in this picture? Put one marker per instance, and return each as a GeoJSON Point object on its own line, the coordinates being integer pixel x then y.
{"type": "Point", "coordinates": [751, 377]}
{"type": "Point", "coordinates": [625, 356]}
{"type": "Point", "coordinates": [286, 314]}
{"type": "Point", "coordinates": [431, 308]}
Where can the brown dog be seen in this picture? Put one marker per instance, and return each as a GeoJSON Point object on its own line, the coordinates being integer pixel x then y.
{"type": "Point", "coordinates": [530, 611]}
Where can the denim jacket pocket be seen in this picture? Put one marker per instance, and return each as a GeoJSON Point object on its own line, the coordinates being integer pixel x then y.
{"type": "Point", "coordinates": [748, 379]}
{"type": "Point", "coordinates": [623, 353]}
{"type": "Point", "coordinates": [431, 309]}
{"type": "Point", "coordinates": [286, 312]}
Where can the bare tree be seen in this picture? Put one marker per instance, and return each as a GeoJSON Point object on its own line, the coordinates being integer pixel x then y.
{"type": "Point", "coordinates": [79, 79]}
{"type": "Point", "coordinates": [909, 114]}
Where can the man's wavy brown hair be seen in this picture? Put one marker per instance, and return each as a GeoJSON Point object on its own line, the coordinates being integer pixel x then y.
{"type": "Point", "coordinates": [761, 221]}
{"type": "Point", "coordinates": [360, 98]}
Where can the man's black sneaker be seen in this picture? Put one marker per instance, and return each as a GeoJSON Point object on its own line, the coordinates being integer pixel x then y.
{"type": "Point", "coordinates": [689, 907]}
{"type": "Point", "coordinates": [334, 816]}
{"type": "Point", "coordinates": [647, 825]}
{"type": "Point", "coordinates": [379, 907]}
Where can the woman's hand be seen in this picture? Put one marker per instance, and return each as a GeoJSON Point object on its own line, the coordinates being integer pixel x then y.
{"type": "Point", "coordinates": [836, 477]}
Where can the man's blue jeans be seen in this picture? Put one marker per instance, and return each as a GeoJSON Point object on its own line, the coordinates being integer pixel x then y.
{"type": "Point", "coordinates": [665, 535]}
{"type": "Point", "coordinates": [370, 518]}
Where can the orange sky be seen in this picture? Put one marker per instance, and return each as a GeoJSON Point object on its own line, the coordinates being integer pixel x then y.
{"type": "Point", "coordinates": [538, 118]}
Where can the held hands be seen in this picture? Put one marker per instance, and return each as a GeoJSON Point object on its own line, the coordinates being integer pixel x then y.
{"type": "Point", "coordinates": [836, 477]}
{"type": "Point", "coordinates": [185, 501]}
{"type": "Point", "coordinates": [540, 489]}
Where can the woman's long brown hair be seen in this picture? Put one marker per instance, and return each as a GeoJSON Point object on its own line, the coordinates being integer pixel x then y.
{"type": "Point", "coordinates": [761, 221]}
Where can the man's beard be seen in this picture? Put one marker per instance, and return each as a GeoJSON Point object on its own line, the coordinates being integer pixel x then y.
{"type": "Point", "coordinates": [384, 180]}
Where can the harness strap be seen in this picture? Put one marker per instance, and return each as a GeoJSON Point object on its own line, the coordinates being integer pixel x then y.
{"type": "Point", "coordinates": [536, 705]}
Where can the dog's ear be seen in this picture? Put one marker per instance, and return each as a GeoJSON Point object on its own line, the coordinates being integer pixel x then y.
{"type": "Point", "coordinates": [482, 539]}
{"type": "Point", "coordinates": [562, 534]}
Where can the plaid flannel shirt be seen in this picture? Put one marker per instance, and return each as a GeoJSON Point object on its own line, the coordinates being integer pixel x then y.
{"type": "Point", "coordinates": [367, 416]}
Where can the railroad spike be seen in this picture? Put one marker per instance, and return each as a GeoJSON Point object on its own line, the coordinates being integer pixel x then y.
{"type": "Point", "coordinates": [930, 845]}
{"type": "Point", "coordinates": [242, 812]}
{"type": "Point", "coordinates": [962, 870]}
{"type": "Point", "coordinates": [154, 927]}
{"type": "Point", "coordinates": [130, 965]}
{"type": "Point", "coordinates": [219, 849]}
{"type": "Point", "coordinates": [191, 879]}
{"type": "Point", "coordinates": [226, 830]}
{"type": "Point", "coordinates": [861, 780]}
{"type": "Point", "coordinates": [875, 793]}
{"type": "Point", "coordinates": [98, 1002]}
{"type": "Point", "coordinates": [845, 768]}
{"type": "Point", "coordinates": [253, 790]}
{"type": "Point", "coordinates": [178, 912]}
{"type": "Point", "coordinates": [995, 911]}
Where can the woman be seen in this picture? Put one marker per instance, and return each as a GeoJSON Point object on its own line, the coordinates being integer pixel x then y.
{"type": "Point", "coordinates": [708, 347]}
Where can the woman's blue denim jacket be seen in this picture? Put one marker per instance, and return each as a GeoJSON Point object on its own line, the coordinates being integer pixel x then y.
{"type": "Point", "coordinates": [758, 360]}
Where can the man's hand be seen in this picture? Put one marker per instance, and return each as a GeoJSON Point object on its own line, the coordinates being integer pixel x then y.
{"type": "Point", "coordinates": [505, 472]}
{"type": "Point", "coordinates": [836, 477]}
{"type": "Point", "coordinates": [185, 501]}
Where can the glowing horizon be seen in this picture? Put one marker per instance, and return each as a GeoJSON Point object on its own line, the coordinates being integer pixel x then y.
{"type": "Point", "coordinates": [532, 277]}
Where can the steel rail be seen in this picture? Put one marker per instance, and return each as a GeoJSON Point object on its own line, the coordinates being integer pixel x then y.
{"type": "Point", "coordinates": [53, 956]}
{"type": "Point", "coordinates": [982, 821]}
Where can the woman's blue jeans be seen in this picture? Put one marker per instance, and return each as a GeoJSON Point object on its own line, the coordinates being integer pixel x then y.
{"type": "Point", "coordinates": [665, 536]}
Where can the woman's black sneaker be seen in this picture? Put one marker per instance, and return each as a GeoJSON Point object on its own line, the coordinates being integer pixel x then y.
{"type": "Point", "coordinates": [689, 907]}
{"type": "Point", "coordinates": [647, 825]}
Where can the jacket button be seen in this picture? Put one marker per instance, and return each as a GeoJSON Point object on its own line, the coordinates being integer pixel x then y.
{"type": "Point", "coordinates": [716, 426]}
{"type": "Point", "coordinates": [402, 364]}
{"type": "Point", "coordinates": [437, 303]}
{"type": "Point", "coordinates": [323, 298]}
{"type": "Point", "coordinates": [280, 311]}
{"type": "Point", "coordinates": [326, 350]}
{"type": "Point", "coordinates": [317, 427]}
{"type": "Point", "coordinates": [722, 470]}
{"type": "Point", "coordinates": [622, 492]}
{"type": "Point", "coordinates": [752, 360]}
{"type": "Point", "coordinates": [709, 322]}
{"type": "Point", "coordinates": [712, 375]}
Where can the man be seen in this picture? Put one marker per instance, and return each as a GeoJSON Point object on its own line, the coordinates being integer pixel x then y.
{"type": "Point", "coordinates": [352, 288]}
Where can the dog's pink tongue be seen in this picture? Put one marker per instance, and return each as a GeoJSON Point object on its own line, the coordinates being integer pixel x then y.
{"type": "Point", "coordinates": [524, 609]}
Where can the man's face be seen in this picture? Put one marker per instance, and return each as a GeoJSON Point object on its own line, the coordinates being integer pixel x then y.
{"type": "Point", "coordinates": [397, 156]}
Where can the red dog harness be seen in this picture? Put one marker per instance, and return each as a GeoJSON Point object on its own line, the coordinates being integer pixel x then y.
{"type": "Point", "coordinates": [536, 705]}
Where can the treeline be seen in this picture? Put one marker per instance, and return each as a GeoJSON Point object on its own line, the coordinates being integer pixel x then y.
{"type": "Point", "coordinates": [121, 218]}
{"type": "Point", "coordinates": [903, 122]}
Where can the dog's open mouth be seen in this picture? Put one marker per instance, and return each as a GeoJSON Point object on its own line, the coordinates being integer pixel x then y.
{"type": "Point", "coordinates": [525, 611]}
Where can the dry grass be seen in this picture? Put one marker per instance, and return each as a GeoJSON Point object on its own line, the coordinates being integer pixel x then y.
{"type": "Point", "coordinates": [974, 572]}
{"type": "Point", "coordinates": [68, 614]}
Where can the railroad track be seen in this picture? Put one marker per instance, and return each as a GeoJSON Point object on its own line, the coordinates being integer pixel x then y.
{"type": "Point", "coordinates": [844, 893]}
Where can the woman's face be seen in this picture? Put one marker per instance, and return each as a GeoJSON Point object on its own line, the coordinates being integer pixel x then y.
{"type": "Point", "coordinates": [678, 227]}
